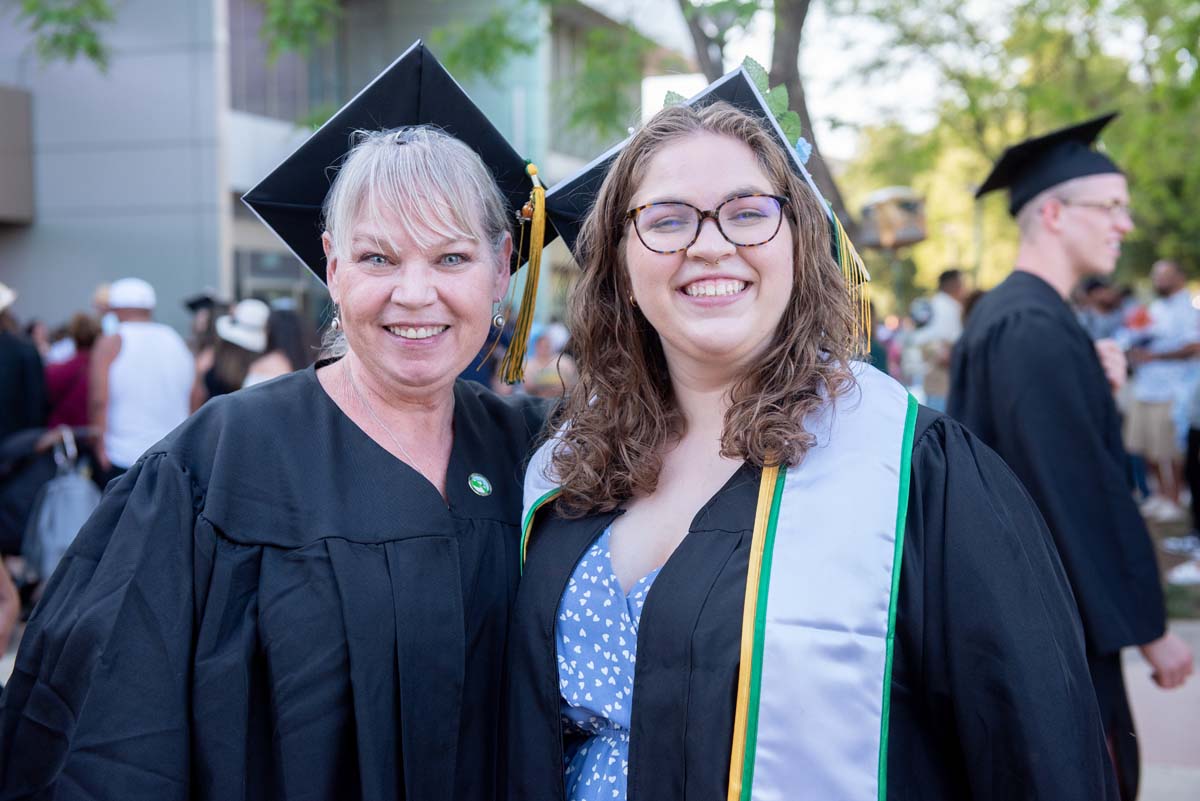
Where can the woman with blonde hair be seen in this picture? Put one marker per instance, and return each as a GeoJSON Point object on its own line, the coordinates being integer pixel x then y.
{"type": "Point", "coordinates": [303, 591]}
{"type": "Point", "coordinates": [753, 567]}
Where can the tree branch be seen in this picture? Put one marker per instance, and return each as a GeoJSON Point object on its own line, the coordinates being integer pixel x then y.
{"type": "Point", "coordinates": [710, 52]}
{"type": "Point", "coordinates": [790, 16]}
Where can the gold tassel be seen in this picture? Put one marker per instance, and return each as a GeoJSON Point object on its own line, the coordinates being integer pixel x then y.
{"type": "Point", "coordinates": [512, 369]}
{"type": "Point", "coordinates": [854, 272]}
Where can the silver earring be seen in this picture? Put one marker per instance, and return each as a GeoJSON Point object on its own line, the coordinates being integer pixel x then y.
{"type": "Point", "coordinates": [336, 323]}
{"type": "Point", "coordinates": [497, 317]}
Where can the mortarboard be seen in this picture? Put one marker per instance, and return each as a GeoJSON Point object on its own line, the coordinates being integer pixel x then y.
{"type": "Point", "coordinates": [415, 90]}
{"type": "Point", "coordinates": [1031, 167]}
{"type": "Point", "coordinates": [206, 299]}
{"type": "Point", "coordinates": [569, 201]}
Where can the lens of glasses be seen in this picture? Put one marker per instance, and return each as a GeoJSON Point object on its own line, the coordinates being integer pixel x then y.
{"type": "Point", "coordinates": [749, 220]}
{"type": "Point", "coordinates": [667, 226]}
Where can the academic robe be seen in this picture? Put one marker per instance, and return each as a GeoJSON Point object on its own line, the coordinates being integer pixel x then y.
{"type": "Point", "coordinates": [990, 691]}
{"type": "Point", "coordinates": [269, 605]}
{"type": "Point", "coordinates": [1027, 381]}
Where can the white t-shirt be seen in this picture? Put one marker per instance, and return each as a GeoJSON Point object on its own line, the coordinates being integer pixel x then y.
{"type": "Point", "coordinates": [148, 387]}
{"type": "Point", "coordinates": [1174, 323]}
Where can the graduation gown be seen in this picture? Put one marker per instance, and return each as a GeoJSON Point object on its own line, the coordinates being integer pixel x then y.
{"type": "Point", "coordinates": [990, 695]}
{"type": "Point", "coordinates": [269, 605]}
{"type": "Point", "coordinates": [1026, 379]}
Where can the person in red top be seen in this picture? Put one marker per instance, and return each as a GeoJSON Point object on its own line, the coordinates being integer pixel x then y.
{"type": "Point", "coordinates": [67, 382]}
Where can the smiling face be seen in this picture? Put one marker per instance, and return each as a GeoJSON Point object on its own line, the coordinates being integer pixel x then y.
{"type": "Point", "coordinates": [415, 309]}
{"type": "Point", "coordinates": [713, 305]}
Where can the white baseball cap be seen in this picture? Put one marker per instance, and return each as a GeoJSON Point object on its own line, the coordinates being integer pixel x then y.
{"type": "Point", "coordinates": [131, 293]}
{"type": "Point", "coordinates": [246, 325]}
{"type": "Point", "coordinates": [7, 296]}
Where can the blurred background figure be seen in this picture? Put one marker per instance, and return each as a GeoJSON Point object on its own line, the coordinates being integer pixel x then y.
{"type": "Point", "coordinates": [241, 341]}
{"type": "Point", "coordinates": [67, 381]}
{"type": "Point", "coordinates": [140, 379]}
{"type": "Point", "coordinates": [38, 333]}
{"type": "Point", "coordinates": [937, 337]}
{"type": "Point", "coordinates": [204, 308]}
{"type": "Point", "coordinates": [1163, 379]}
{"type": "Point", "coordinates": [549, 372]}
{"type": "Point", "coordinates": [108, 320]}
{"type": "Point", "coordinates": [291, 345]}
{"type": "Point", "coordinates": [1100, 306]}
{"type": "Point", "coordinates": [22, 386]}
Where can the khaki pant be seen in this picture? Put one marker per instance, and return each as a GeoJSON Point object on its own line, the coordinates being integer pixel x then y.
{"type": "Point", "coordinates": [1150, 432]}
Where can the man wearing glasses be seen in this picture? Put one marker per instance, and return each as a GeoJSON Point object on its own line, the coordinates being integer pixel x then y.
{"type": "Point", "coordinates": [1031, 383]}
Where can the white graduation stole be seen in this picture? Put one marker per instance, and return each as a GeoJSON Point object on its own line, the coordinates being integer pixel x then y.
{"type": "Point", "coordinates": [820, 610]}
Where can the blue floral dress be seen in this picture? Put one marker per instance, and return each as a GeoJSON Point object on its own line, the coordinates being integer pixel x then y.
{"type": "Point", "coordinates": [597, 647]}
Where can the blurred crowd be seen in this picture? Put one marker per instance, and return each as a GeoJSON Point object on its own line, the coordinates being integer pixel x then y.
{"type": "Point", "coordinates": [1159, 334]}
{"type": "Point", "coordinates": [82, 400]}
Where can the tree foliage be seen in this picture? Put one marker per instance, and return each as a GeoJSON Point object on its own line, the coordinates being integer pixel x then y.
{"type": "Point", "coordinates": [65, 30]}
{"type": "Point", "coordinates": [1013, 69]}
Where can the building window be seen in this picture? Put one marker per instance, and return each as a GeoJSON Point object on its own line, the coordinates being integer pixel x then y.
{"type": "Point", "coordinates": [293, 88]}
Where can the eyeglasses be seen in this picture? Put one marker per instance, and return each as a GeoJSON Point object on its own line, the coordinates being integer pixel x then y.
{"type": "Point", "coordinates": [745, 221]}
{"type": "Point", "coordinates": [1114, 208]}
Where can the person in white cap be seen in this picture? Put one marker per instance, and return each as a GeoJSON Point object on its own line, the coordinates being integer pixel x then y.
{"type": "Point", "coordinates": [241, 340]}
{"type": "Point", "coordinates": [140, 379]}
{"type": "Point", "coordinates": [22, 387]}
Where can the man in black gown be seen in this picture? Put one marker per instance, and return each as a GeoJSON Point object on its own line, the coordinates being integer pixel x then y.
{"type": "Point", "coordinates": [1026, 379]}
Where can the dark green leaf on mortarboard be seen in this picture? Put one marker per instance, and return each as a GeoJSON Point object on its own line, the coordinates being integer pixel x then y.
{"type": "Point", "coordinates": [757, 74]}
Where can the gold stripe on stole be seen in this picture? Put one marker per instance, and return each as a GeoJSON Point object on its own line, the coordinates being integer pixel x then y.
{"type": "Point", "coordinates": [762, 516]}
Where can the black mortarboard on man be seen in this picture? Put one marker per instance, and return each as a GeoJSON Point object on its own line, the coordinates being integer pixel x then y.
{"type": "Point", "coordinates": [415, 90]}
{"type": "Point", "coordinates": [1031, 167]}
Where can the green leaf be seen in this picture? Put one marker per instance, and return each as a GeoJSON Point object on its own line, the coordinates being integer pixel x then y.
{"type": "Point", "coordinates": [789, 121]}
{"type": "Point", "coordinates": [757, 74]}
{"type": "Point", "coordinates": [673, 99]}
{"type": "Point", "coordinates": [482, 48]}
{"type": "Point", "coordinates": [777, 100]}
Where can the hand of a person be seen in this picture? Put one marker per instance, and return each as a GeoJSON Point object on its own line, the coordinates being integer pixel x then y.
{"type": "Point", "coordinates": [1136, 356]}
{"type": "Point", "coordinates": [48, 440]}
{"type": "Point", "coordinates": [1112, 359]}
{"type": "Point", "coordinates": [10, 608]}
{"type": "Point", "coordinates": [1171, 660]}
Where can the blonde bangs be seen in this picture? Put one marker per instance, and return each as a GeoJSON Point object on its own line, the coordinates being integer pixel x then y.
{"type": "Point", "coordinates": [418, 183]}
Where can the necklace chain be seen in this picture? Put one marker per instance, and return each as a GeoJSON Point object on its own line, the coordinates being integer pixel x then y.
{"type": "Point", "coordinates": [371, 411]}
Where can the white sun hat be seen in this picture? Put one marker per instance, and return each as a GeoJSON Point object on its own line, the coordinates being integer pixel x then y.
{"type": "Point", "coordinates": [246, 325]}
{"type": "Point", "coordinates": [131, 293]}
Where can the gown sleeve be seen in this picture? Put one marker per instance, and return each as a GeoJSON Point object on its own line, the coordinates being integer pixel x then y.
{"type": "Point", "coordinates": [1056, 428]}
{"type": "Point", "coordinates": [97, 706]}
{"type": "Point", "coordinates": [986, 605]}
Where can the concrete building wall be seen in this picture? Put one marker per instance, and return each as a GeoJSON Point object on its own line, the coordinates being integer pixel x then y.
{"type": "Point", "coordinates": [126, 163]}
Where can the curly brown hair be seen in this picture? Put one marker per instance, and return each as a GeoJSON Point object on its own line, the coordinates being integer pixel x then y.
{"type": "Point", "coordinates": [622, 415]}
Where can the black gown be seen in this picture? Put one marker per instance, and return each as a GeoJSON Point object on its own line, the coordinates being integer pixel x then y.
{"type": "Point", "coordinates": [990, 691]}
{"type": "Point", "coordinates": [269, 605]}
{"type": "Point", "coordinates": [1025, 378]}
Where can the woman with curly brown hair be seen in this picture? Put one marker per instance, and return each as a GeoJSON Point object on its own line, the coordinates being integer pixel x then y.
{"type": "Point", "coordinates": [755, 568]}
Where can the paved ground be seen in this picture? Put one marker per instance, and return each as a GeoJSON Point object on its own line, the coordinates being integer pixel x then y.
{"type": "Point", "coordinates": [1168, 724]}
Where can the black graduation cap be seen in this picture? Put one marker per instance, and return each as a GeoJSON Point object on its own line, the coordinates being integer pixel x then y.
{"type": "Point", "coordinates": [206, 299]}
{"type": "Point", "coordinates": [414, 90]}
{"type": "Point", "coordinates": [1031, 167]}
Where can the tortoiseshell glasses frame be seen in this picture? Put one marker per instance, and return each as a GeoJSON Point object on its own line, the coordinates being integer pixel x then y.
{"type": "Point", "coordinates": [634, 215]}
